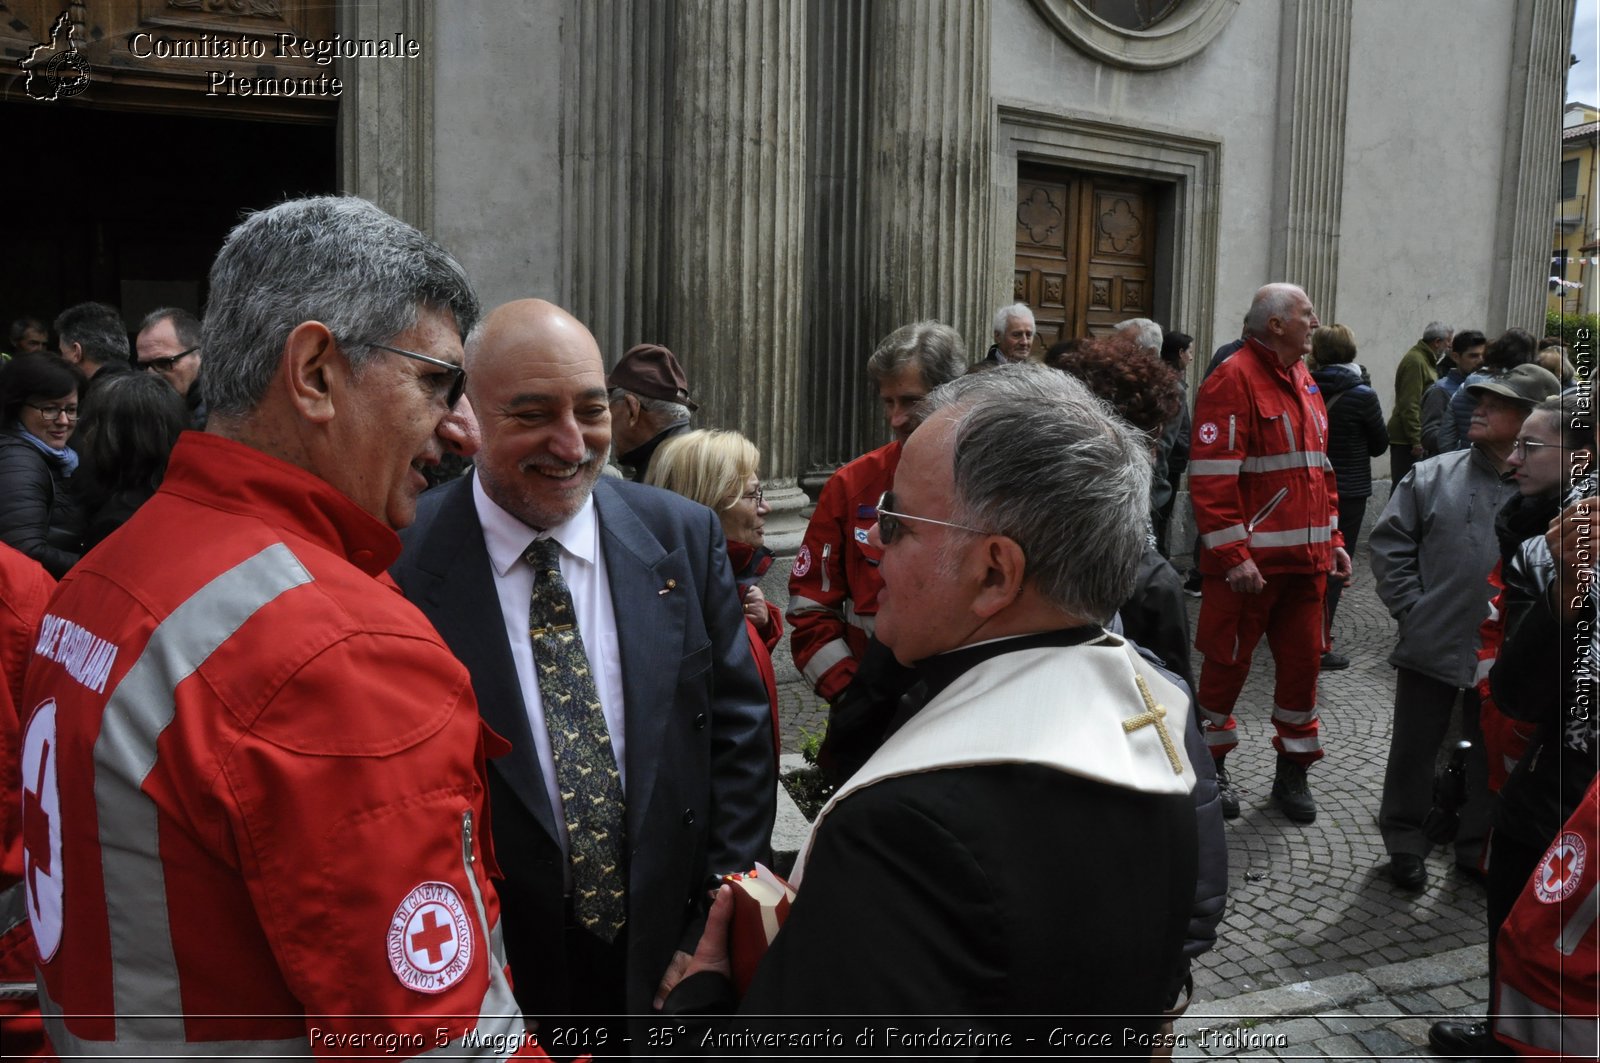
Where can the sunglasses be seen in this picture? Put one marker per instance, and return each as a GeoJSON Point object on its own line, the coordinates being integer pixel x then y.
{"type": "Point", "coordinates": [164, 365]}
{"type": "Point", "coordinates": [458, 375]}
{"type": "Point", "coordinates": [889, 520]}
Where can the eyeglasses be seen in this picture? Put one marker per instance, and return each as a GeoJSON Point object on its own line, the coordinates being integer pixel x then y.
{"type": "Point", "coordinates": [458, 375]}
{"type": "Point", "coordinates": [51, 412]}
{"type": "Point", "coordinates": [164, 365]}
{"type": "Point", "coordinates": [1522, 447]}
{"type": "Point", "coordinates": [889, 520]}
{"type": "Point", "coordinates": [757, 496]}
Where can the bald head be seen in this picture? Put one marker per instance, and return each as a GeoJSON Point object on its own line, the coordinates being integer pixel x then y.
{"type": "Point", "coordinates": [538, 387]}
{"type": "Point", "coordinates": [1281, 317]}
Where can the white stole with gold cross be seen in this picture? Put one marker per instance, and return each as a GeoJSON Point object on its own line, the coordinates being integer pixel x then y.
{"type": "Point", "coordinates": [1096, 710]}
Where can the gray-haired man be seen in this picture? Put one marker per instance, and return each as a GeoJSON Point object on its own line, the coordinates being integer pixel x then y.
{"type": "Point", "coordinates": [1014, 334]}
{"type": "Point", "coordinates": [256, 763]}
{"type": "Point", "coordinates": [1036, 748]}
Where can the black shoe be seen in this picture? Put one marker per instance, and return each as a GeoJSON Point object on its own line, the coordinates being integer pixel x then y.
{"type": "Point", "coordinates": [1191, 583]}
{"type": "Point", "coordinates": [1332, 662]}
{"type": "Point", "coordinates": [1290, 791]}
{"type": "Point", "coordinates": [1463, 1040]}
{"type": "Point", "coordinates": [1408, 871]}
{"type": "Point", "coordinates": [1227, 797]}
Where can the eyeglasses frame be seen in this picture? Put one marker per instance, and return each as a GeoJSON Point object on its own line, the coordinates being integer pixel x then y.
{"type": "Point", "coordinates": [164, 365]}
{"type": "Point", "coordinates": [890, 532]}
{"type": "Point", "coordinates": [72, 413]}
{"type": "Point", "coordinates": [458, 381]}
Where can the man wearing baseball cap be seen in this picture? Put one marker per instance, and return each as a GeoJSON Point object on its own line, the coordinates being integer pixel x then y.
{"type": "Point", "coordinates": [1432, 550]}
{"type": "Point", "coordinates": [650, 403]}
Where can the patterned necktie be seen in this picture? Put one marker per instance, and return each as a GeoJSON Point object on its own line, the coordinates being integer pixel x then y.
{"type": "Point", "coordinates": [586, 769]}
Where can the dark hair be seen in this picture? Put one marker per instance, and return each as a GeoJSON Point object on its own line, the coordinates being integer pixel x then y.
{"type": "Point", "coordinates": [98, 328]}
{"type": "Point", "coordinates": [1465, 341]}
{"type": "Point", "coordinates": [1054, 353]}
{"type": "Point", "coordinates": [129, 430]}
{"type": "Point", "coordinates": [22, 325]}
{"type": "Point", "coordinates": [1172, 343]}
{"type": "Point", "coordinates": [29, 375]}
{"type": "Point", "coordinates": [1139, 386]}
{"type": "Point", "coordinates": [184, 324]}
{"type": "Point", "coordinates": [1514, 347]}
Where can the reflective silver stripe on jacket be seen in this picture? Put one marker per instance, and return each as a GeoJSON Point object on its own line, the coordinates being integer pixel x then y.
{"type": "Point", "coordinates": [1579, 924]}
{"type": "Point", "coordinates": [1543, 1028]}
{"type": "Point", "coordinates": [1233, 533]}
{"type": "Point", "coordinates": [13, 907]}
{"type": "Point", "coordinates": [68, 1045]}
{"type": "Point", "coordinates": [1292, 537]}
{"type": "Point", "coordinates": [1293, 718]}
{"type": "Point", "coordinates": [828, 655]}
{"type": "Point", "coordinates": [1215, 467]}
{"type": "Point", "coordinates": [799, 605]}
{"type": "Point", "coordinates": [1295, 459]}
{"type": "Point", "coordinates": [144, 971]}
{"type": "Point", "coordinates": [856, 620]}
{"type": "Point", "coordinates": [500, 1021]}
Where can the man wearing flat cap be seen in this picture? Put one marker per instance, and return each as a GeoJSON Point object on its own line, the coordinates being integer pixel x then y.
{"type": "Point", "coordinates": [1432, 550]}
{"type": "Point", "coordinates": [650, 404]}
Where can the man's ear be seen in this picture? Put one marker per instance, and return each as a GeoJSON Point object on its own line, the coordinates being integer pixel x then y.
{"type": "Point", "coordinates": [74, 354]}
{"type": "Point", "coordinates": [311, 370]}
{"type": "Point", "coordinates": [1004, 569]}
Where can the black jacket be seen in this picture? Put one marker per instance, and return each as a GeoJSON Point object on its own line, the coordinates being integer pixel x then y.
{"type": "Point", "coordinates": [38, 514]}
{"type": "Point", "coordinates": [1356, 431]}
{"type": "Point", "coordinates": [1546, 673]}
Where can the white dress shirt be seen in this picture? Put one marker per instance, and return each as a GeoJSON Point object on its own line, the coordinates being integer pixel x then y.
{"type": "Point", "coordinates": [583, 566]}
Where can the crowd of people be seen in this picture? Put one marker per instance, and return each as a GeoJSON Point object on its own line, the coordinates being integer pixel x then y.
{"type": "Point", "coordinates": [269, 805]}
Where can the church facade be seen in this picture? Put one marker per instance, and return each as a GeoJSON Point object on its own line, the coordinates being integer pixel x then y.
{"type": "Point", "coordinates": [770, 186]}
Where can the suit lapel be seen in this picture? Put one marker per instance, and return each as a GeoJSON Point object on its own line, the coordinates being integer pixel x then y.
{"type": "Point", "coordinates": [456, 590]}
{"type": "Point", "coordinates": [649, 635]}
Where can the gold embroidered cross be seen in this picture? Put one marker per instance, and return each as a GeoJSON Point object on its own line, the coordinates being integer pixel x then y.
{"type": "Point", "coordinates": [1154, 714]}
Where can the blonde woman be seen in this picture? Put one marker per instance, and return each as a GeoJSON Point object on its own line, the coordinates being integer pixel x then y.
{"type": "Point", "coordinates": [718, 468]}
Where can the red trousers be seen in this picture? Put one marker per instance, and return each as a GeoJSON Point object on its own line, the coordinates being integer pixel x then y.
{"type": "Point", "coordinates": [1289, 612]}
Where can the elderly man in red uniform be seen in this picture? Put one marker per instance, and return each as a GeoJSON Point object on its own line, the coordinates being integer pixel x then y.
{"type": "Point", "coordinates": [1267, 512]}
{"type": "Point", "coordinates": [253, 801]}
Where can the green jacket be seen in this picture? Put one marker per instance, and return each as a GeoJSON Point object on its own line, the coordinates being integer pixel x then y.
{"type": "Point", "coordinates": [1416, 374]}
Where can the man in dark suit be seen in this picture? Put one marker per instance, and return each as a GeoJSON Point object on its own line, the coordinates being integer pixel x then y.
{"type": "Point", "coordinates": [1023, 842]}
{"type": "Point", "coordinates": [686, 737]}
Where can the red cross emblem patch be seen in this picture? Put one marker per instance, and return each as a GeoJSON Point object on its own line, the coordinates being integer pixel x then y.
{"type": "Point", "coordinates": [1208, 433]}
{"type": "Point", "coordinates": [802, 561]}
{"type": "Point", "coordinates": [1559, 873]}
{"type": "Point", "coordinates": [430, 939]}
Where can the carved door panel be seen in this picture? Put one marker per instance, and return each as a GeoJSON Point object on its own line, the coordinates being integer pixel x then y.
{"type": "Point", "coordinates": [1120, 264]}
{"type": "Point", "coordinates": [1085, 250]}
{"type": "Point", "coordinates": [1047, 214]}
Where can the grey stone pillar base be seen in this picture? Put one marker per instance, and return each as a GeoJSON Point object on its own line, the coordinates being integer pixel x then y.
{"type": "Point", "coordinates": [786, 524]}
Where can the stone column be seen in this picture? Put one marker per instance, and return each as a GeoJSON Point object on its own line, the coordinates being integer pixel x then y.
{"type": "Point", "coordinates": [386, 115]}
{"type": "Point", "coordinates": [618, 82]}
{"type": "Point", "coordinates": [738, 225]}
{"type": "Point", "coordinates": [1530, 167]}
{"type": "Point", "coordinates": [928, 171]}
{"type": "Point", "coordinates": [1313, 79]}
{"type": "Point", "coordinates": [841, 414]}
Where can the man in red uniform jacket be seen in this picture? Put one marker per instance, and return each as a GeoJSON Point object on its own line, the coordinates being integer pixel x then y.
{"type": "Point", "coordinates": [253, 803]}
{"type": "Point", "coordinates": [1267, 511]}
{"type": "Point", "coordinates": [24, 588]}
{"type": "Point", "coordinates": [834, 585]}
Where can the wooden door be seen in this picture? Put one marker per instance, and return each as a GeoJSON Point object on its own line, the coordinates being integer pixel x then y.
{"type": "Point", "coordinates": [1085, 256]}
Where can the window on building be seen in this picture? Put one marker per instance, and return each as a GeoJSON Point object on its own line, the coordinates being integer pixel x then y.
{"type": "Point", "coordinates": [1132, 14]}
{"type": "Point", "coordinates": [1569, 179]}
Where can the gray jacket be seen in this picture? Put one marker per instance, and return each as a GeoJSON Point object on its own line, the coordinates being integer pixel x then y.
{"type": "Point", "coordinates": [1432, 550]}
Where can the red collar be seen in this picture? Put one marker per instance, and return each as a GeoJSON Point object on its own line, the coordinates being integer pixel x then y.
{"type": "Point", "coordinates": [240, 479]}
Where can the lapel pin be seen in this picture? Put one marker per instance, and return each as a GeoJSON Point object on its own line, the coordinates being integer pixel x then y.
{"type": "Point", "coordinates": [672, 585]}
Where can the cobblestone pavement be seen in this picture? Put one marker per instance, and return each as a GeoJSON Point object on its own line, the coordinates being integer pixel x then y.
{"type": "Point", "coordinates": [1320, 955]}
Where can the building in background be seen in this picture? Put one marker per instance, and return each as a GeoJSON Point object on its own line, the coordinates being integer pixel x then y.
{"type": "Point", "coordinates": [1575, 260]}
{"type": "Point", "coordinates": [770, 186]}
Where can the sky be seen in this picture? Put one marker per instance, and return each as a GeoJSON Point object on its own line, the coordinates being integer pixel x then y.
{"type": "Point", "coordinates": [1583, 80]}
